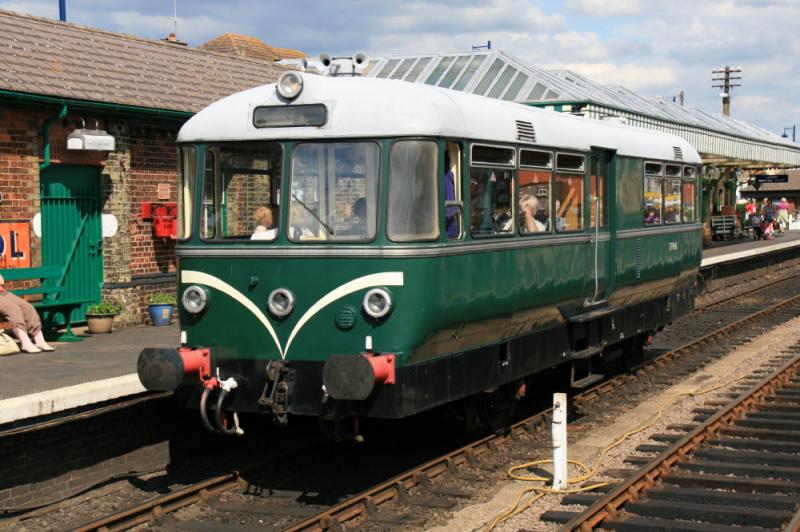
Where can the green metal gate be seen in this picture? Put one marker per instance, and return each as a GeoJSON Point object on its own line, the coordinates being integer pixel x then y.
{"type": "Point", "coordinates": [72, 231]}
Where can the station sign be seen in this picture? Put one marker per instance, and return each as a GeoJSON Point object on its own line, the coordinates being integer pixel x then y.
{"type": "Point", "coordinates": [772, 178]}
{"type": "Point", "coordinates": [15, 244]}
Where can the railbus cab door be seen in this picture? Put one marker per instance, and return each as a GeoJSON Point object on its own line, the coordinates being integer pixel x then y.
{"type": "Point", "coordinates": [600, 258]}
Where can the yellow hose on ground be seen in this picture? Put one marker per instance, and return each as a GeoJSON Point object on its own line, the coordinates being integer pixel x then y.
{"type": "Point", "coordinates": [589, 472]}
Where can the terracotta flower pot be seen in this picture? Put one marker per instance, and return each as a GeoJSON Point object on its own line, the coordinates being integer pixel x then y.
{"type": "Point", "coordinates": [99, 323]}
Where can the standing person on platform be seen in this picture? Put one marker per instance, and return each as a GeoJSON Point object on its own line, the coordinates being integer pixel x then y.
{"type": "Point", "coordinates": [768, 217]}
{"type": "Point", "coordinates": [783, 215]}
{"type": "Point", "coordinates": [24, 319]}
{"type": "Point", "coordinates": [749, 209]}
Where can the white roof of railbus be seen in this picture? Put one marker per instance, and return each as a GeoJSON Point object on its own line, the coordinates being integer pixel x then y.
{"type": "Point", "coordinates": [368, 107]}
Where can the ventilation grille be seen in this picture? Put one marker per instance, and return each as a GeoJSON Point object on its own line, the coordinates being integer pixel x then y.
{"type": "Point", "coordinates": [525, 132]}
{"type": "Point", "coordinates": [678, 153]}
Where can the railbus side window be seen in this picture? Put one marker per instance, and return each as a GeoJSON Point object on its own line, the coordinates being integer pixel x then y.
{"type": "Point", "coordinates": [688, 192]}
{"type": "Point", "coordinates": [491, 190]}
{"type": "Point", "coordinates": [240, 191]}
{"type": "Point", "coordinates": [412, 211]}
{"type": "Point", "coordinates": [535, 175]}
{"type": "Point", "coordinates": [568, 209]}
{"type": "Point", "coordinates": [453, 204]}
{"type": "Point", "coordinates": [652, 193]}
{"type": "Point", "coordinates": [208, 218]}
{"type": "Point", "coordinates": [672, 194]}
{"type": "Point", "coordinates": [597, 191]}
{"type": "Point", "coordinates": [188, 168]}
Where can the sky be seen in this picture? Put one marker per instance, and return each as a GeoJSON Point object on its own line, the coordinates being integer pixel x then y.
{"type": "Point", "coordinates": [653, 47]}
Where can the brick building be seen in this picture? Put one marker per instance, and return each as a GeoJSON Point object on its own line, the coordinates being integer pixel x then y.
{"type": "Point", "coordinates": [82, 208]}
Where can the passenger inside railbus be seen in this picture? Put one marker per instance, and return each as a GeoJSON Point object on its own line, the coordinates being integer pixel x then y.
{"type": "Point", "coordinates": [529, 210]}
{"type": "Point", "coordinates": [265, 225]}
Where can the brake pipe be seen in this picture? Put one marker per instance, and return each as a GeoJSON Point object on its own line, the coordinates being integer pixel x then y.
{"type": "Point", "coordinates": [225, 387]}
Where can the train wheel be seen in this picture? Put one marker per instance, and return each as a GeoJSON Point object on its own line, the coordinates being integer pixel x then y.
{"type": "Point", "coordinates": [633, 352]}
{"type": "Point", "coordinates": [496, 408]}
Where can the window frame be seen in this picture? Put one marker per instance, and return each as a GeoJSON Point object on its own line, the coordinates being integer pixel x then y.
{"type": "Point", "coordinates": [392, 144]}
{"type": "Point", "coordinates": [556, 169]}
{"type": "Point", "coordinates": [660, 177]}
{"type": "Point", "coordinates": [290, 178]}
{"type": "Point", "coordinates": [187, 192]}
{"type": "Point", "coordinates": [550, 152]}
{"type": "Point", "coordinates": [458, 185]}
{"type": "Point", "coordinates": [214, 150]}
{"type": "Point", "coordinates": [695, 203]}
{"type": "Point", "coordinates": [472, 162]}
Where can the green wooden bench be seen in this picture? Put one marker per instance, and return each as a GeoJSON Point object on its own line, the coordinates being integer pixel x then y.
{"type": "Point", "coordinates": [52, 300]}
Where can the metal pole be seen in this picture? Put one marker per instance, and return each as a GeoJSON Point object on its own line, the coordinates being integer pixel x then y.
{"type": "Point", "coordinates": [560, 477]}
{"type": "Point", "coordinates": [62, 10]}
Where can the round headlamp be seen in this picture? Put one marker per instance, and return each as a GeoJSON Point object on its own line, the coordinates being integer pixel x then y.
{"type": "Point", "coordinates": [195, 299]}
{"type": "Point", "coordinates": [280, 302]}
{"type": "Point", "coordinates": [377, 303]}
{"type": "Point", "coordinates": [290, 85]}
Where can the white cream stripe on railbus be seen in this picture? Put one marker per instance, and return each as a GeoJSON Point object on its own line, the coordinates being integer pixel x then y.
{"type": "Point", "coordinates": [193, 277]}
{"type": "Point", "coordinates": [385, 279]}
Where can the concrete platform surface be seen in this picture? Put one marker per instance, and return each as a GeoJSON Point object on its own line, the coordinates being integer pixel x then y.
{"type": "Point", "coordinates": [731, 250]}
{"type": "Point", "coordinates": [99, 368]}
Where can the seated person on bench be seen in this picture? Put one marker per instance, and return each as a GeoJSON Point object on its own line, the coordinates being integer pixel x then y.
{"type": "Point", "coordinates": [24, 319]}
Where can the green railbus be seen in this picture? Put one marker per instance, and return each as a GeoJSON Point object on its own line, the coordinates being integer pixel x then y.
{"type": "Point", "coordinates": [368, 247]}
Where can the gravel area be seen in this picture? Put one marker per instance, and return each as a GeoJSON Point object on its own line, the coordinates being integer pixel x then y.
{"type": "Point", "coordinates": [586, 447]}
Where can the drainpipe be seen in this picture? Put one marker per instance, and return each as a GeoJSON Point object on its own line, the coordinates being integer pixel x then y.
{"type": "Point", "coordinates": [46, 136]}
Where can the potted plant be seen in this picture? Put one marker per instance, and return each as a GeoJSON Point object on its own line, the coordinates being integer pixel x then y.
{"type": "Point", "coordinates": [100, 317]}
{"type": "Point", "coordinates": [162, 306]}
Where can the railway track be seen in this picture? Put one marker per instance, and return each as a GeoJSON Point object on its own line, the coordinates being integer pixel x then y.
{"type": "Point", "coordinates": [737, 470]}
{"type": "Point", "coordinates": [436, 483]}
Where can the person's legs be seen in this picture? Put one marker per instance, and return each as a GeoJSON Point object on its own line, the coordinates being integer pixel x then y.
{"type": "Point", "coordinates": [15, 310]}
{"type": "Point", "coordinates": [34, 324]}
{"type": "Point", "coordinates": [41, 343]}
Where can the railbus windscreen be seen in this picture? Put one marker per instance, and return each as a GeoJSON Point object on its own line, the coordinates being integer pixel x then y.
{"type": "Point", "coordinates": [334, 192]}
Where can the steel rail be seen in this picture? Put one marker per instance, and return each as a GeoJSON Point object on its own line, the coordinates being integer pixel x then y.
{"type": "Point", "coordinates": [387, 490]}
{"type": "Point", "coordinates": [156, 508]}
{"type": "Point", "coordinates": [631, 489]}
{"type": "Point", "coordinates": [655, 364]}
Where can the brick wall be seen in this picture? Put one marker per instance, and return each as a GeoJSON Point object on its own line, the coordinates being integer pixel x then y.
{"type": "Point", "coordinates": [145, 157]}
{"type": "Point", "coordinates": [19, 169]}
{"type": "Point", "coordinates": [88, 452]}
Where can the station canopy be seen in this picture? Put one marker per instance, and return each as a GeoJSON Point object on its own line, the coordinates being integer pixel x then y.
{"type": "Point", "coordinates": [722, 141]}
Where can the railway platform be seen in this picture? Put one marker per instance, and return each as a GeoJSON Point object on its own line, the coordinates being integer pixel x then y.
{"type": "Point", "coordinates": [77, 374]}
{"type": "Point", "coordinates": [736, 250]}
{"type": "Point", "coordinates": [103, 367]}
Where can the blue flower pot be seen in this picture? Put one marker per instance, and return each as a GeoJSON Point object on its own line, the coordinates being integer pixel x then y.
{"type": "Point", "coordinates": [161, 314]}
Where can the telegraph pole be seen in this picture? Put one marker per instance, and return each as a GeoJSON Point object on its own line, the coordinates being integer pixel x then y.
{"type": "Point", "coordinates": [726, 86]}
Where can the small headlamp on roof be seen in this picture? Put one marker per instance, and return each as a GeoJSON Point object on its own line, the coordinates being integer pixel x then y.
{"type": "Point", "coordinates": [290, 85]}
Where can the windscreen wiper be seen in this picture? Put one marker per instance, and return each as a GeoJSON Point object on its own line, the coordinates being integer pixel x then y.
{"type": "Point", "coordinates": [314, 214]}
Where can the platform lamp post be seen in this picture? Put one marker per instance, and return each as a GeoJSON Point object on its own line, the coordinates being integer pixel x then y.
{"type": "Point", "coordinates": [793, 129]}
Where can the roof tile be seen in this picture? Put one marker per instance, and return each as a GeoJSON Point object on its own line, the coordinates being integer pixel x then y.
{"type": "Point", "coordinates": [42, 56]}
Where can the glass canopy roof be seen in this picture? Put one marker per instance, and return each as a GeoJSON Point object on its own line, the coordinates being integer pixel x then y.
{"type": "Point", "coordinates": [496, 74]}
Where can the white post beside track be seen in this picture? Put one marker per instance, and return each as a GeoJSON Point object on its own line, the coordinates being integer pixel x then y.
{"type": "Point", "coordinates": [560, 441]}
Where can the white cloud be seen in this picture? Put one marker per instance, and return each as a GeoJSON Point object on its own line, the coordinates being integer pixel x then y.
{"type": "Point", "coordinates": [631, 76]}
{"type": "Point", "coordinates": [496, 15]}
{"type": "Point", "coordinates": [39, 9]}
{"type": "Point", "coordinates": [605, 8]}
{"type": "Point", "coordinates": [197, 29]}
{"type": "Point", "coordinates": [754, 102]}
